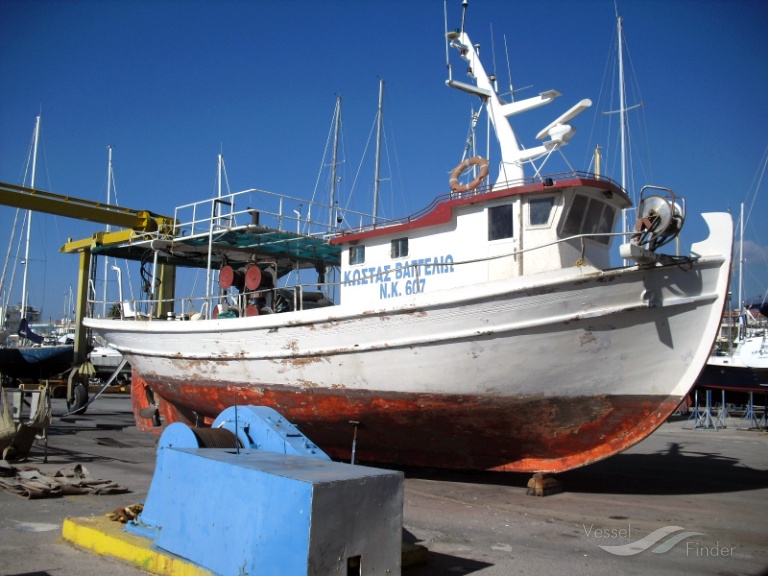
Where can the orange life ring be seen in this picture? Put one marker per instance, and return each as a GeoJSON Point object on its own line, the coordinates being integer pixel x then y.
{"type": "Point", "coordinates": [456, 172]}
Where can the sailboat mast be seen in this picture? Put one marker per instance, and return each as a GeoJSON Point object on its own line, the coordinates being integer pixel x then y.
{"type": "Point", "coordinates": [622, 107]}
{"type": "Point", "coordinates": [378, 153]}
{"type": "Point", "coordinates": [29, 222]}
{"type": "Point", "coordinates": [332, 216]}
{"type": "Point", "coordinates": [622, 121]}
{"type": "Point", "coordinates": [214, 220]}
{"type": "Point", "coordinates": [106, 258]}
{"type": "Point", "coordinates": [741, 257]}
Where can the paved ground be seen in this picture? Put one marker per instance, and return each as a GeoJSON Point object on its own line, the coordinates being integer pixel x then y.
{"type": "Point", "coordinates": [714, 483]}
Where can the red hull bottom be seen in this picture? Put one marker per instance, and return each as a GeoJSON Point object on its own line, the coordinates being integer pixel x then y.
{"type": "Point", "coordinates": [531, 434]}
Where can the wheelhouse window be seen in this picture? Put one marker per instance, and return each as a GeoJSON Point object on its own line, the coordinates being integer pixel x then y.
{"type": "Point", "coordinates": [356, 255]}
{"type": "Point", "coordinates": [399, 248]}
{"type": "Point", "coordinates": [589, 216]}
{"type": "Point", "coordinates": [500, 223]}
{"type": "Point", "coordinates": [540, 210]}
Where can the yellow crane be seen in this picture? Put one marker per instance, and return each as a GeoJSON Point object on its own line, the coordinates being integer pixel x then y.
{"type": "Point", "coordinates": [134, 224]}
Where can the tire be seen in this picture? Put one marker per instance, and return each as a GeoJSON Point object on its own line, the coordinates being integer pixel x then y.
{"type": "Point", "coordinates": [79, 400]}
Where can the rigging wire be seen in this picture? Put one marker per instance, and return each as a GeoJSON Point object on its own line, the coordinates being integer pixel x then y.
{"type": "Point", "coordinates": [509, 71]}
{"type": "Point", "coordinates": [404, 198]}
{"type": "Point", "coordinates": [24, 177]}
{"type": "Point", "coordinates": [362, 159]}
{"type": "Point", "coordinates": [323, 163]}
{"type": "Point", "coordinates": [759, 252]}
{"type": "Point", "coordinates": [4, 303]}
{"type": "Point", "coordinates": [638, 156]}
{"type": "Point", "coordinates": [17, 259]}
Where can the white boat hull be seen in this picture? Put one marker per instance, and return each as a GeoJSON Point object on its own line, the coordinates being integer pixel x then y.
{"type": "Point", "coordinates": [541, 373]}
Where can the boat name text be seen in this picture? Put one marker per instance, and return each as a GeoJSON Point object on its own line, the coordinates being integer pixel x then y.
{"type": "Point", "coordinates": [404, 279]}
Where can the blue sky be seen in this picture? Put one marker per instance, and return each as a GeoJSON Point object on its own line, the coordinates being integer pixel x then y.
{"type": "Point", "coordinates": [170, 84]}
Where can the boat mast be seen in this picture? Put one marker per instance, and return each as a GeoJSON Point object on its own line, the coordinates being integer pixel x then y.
{"type": "Point", "coordinates": [378, 153]}
{"type": "Point", "coordinates": [332, 216]}
{"type": "Point", "coordinates": [29, 223]}
{"type": "Point", "coordinates": [218, 178]}
{"type": "Point", "coordinates": [622, 122]}
{"type": "Point", "coordinates": [214, 218]}
{"type": "Point", "coordinates": [622, 109]}
{"type": "Point", "coordinates": [106, 258]}
{"type": "Point", "coordinates": [741, 259]}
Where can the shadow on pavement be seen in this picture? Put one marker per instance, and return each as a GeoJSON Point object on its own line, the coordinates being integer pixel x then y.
{"type": "Point", "coordinates": [674, 471]}
{"type": "Point", "coordinates": [438, 563]}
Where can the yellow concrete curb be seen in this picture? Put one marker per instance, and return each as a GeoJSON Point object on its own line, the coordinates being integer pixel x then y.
{"type": "Point", "coordinates": [109, 538]}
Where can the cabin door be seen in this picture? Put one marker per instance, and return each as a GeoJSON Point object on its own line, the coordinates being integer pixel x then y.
{"type": "Point", "coordinates": [504, 240]}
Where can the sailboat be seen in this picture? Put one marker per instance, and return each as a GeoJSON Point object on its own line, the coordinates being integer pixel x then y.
{"type": "Point", "coordinates": [26, 358]}
{"type": "Point", "coordinates": [739, 358]}
{"type": "Point", "coordinates": [739, 365]}
{"type": "Point", "coordinates": [490, 330]}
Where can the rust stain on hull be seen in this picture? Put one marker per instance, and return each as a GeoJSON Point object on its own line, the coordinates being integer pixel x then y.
{"type": "Point", "coordinates": [525, 434]}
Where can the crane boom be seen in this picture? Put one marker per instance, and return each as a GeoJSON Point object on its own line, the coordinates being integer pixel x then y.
{"type": "Point", "coordinates": [80, 209]}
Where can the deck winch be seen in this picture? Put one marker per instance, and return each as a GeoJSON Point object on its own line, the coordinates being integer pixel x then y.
{"type": "Point", "coordinates": [252, 495]}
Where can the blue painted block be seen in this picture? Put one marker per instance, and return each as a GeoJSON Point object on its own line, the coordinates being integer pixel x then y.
{"type": "Point", "coordinates": [264, 513]}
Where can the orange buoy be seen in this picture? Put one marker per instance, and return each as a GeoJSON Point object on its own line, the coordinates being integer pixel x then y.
{"type": "Point", "coordinates": [456, 172]}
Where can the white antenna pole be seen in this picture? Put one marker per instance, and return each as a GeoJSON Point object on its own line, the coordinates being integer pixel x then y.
{"type": "Point", "coordinates": [447, 55]}
{"type": "Point", "coordinates": [221, 162]}
{"type": "Point", "coordinates": [29, 223]}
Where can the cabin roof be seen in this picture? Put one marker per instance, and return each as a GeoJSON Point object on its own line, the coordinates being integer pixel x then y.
{"type": "Point", "coordinates": [440, 211]}
{"type": "Point", "coordinates": [239, 246]}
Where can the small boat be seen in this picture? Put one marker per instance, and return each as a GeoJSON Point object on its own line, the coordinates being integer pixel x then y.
{"type": "Point", "coordinates": [35, 362]}
{"type": "Point", "coordinates": [730, 372]}
{"type": "Point", "coordinates": [739, 358]}
{"type": "Point", "coordinates": [488, 331]}
{"type": "Point", "coordinates": [737, 369]}
{"type": "Point", "coordinates": [31, 356]}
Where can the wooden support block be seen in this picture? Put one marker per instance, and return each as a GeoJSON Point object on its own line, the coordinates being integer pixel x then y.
{"type": "Point", "coordinates": [543, 485]}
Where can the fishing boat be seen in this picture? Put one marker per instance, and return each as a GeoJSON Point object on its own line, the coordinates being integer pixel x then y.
{"type": "Point", "coordinates": [490, 330]}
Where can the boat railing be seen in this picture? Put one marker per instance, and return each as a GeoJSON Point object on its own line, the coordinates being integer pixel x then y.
{"type": "Point", "coordinates": [282, 299]}
{"type": "Point", "coordinates": [255, 207]}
